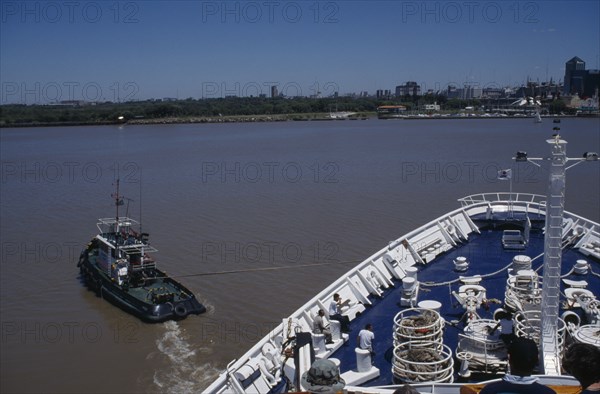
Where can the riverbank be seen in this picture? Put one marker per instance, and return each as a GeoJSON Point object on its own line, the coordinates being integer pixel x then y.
{"type": "Point", "coordinates": [302, 117]}
{"type": "Point", "coordinates": [198, 119]}
{"type": "Point", "coordinates": [249, 118]}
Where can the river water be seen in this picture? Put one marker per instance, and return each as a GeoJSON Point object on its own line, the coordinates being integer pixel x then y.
{"type": "Point", "coordinates": [260, 199]}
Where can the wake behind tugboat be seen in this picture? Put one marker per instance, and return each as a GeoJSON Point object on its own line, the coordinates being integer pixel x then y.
{"type": "Point", "coordinates": [185, 370]}
{"type": "Point", "coordinates": [116, 265]}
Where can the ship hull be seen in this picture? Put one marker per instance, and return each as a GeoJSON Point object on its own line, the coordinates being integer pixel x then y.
{"type": "Point", "coordinates": [376, 292]}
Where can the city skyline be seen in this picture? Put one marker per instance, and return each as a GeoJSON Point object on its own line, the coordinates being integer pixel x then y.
{"type": "Point", "coordinates": [121, 50]}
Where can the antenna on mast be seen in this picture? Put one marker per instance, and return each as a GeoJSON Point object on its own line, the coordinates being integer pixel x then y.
{"type": "Point", "coordinates": [141, 232]}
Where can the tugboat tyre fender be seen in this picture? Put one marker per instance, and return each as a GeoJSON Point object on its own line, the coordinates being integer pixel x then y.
{"type": "Point", "coordinates": [98, 287]}
{"type": "Point", "coordinates": [81, 258]}
{"type": "Point", "coordinates": [180, 310]}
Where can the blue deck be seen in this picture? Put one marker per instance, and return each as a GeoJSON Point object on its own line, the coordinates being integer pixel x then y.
{"type": "Point", "coordinates": [485, 254]}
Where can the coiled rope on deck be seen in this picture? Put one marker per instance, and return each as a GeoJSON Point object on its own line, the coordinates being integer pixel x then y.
{"type": "Point", "coordinates": [418, 361]}
{"type": "Point", "coordinates": [418, 325]}
{"type": "Point", "coordinates": [425, 362]}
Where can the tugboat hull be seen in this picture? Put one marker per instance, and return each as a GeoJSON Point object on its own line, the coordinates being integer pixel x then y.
{"type": "Point", "coordinates": [139, 300]}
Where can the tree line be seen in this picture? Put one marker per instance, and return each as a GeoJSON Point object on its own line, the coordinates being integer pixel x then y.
{"type": "Point", "coordinates": [105, 113]}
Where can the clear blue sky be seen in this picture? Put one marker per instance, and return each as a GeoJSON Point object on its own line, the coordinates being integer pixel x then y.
{"type": "Point", "coordinates": [117, 50]}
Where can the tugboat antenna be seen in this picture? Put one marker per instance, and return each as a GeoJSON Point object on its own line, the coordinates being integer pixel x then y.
{"type": "Point", "coordinates": [117, 206]}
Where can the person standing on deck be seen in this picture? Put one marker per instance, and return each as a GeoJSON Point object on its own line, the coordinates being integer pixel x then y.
{"type": "Point", "coordinates": [507, 331]}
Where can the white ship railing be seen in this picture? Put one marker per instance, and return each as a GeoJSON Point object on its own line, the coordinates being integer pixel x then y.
{"type": "Point", "coordinates": [515, 198]}
{"type": "Point", "coordinates": [528, 200]}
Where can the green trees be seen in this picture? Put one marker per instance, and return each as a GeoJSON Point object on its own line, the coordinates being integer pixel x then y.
{"type": "Point", "coordinates": [101, 113]}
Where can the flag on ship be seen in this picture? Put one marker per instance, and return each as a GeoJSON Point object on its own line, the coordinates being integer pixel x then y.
{"type": "Point", "coordinates": [504, 175]}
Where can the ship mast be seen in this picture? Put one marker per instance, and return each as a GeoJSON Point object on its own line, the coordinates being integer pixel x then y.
{"type": "Point", "coordinates": [555, 202]}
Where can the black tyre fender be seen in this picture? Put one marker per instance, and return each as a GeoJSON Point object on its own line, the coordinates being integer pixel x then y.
{"type": "Point", "coordinates": [180, 310]}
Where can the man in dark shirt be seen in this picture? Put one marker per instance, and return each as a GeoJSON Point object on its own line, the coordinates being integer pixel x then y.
{"type": "Point", "coordinates": [582, 360]}
{"type": "Point", "coordinates": [522, 358]}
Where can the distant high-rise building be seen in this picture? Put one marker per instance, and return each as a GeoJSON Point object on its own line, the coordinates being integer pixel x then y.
{"type": "Point", "coordinates": [471, 92]}
{"type": "Point", "coordinates": [492, 93]}
{"type": "Point", "coordinates": [574, 76]}
{"type": "Point", "coordinates": [453, 92]}
{"type": "Point", "coordinates": [575, 64]}
{"type": "Point", "coordinates": [591, 83]}
{"type": "Point", "coordinates": [410, 88]}
{"type": "Point", "coordinates": [274, 92]}
{"type": "Point", "coordinates": [580, 81]}
{"type": "Point", "coordinates": [383, 94]}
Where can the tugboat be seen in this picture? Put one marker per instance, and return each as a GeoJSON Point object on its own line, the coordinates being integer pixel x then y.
{"type": "Point", "coordinates": [116, 264]}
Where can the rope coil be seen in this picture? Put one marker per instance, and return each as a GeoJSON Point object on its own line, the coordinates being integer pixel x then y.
{"type": "Point", "coordinates": [419, 354]}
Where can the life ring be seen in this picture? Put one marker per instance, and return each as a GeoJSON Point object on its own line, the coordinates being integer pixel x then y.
{"type": "Point", "coordinates": [180, 310]}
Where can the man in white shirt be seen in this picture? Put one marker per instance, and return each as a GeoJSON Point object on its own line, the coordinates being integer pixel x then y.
{"type": "Point", "coordinates": [365, 339]}
{"type": "Point", "coordinates": [335, 313]}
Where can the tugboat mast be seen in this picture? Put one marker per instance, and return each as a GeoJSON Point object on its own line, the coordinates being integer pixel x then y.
{"type": "Point", "coordinates": [117, 227]}
{"type": "Point", "coordinates": [116, 196]}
